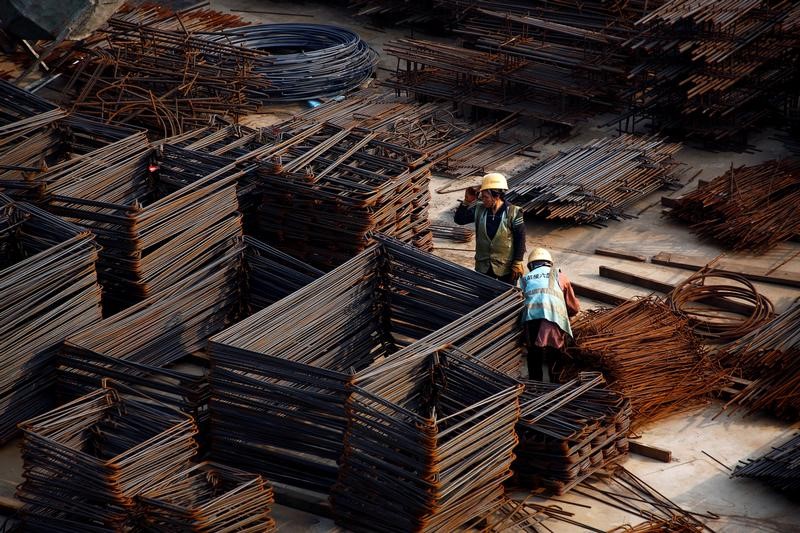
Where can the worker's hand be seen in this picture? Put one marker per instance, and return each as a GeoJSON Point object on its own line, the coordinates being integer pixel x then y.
{"type": "Point", "coordinates": [517, 270]}
{"type": "Point", "coordinates": [470, 194]}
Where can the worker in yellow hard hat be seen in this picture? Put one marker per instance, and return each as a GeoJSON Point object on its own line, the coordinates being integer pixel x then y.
{"type": "Point", "coordinates": [549, 304]}
{"type": "Point", "coordinates": [499, 229]}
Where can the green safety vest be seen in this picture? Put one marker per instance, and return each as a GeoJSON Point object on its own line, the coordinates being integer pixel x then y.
{"type": "Point", "coordinates": [497, 253]}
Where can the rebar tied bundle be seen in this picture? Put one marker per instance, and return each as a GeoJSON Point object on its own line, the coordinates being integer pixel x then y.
{"type": "Point", "coordinates": [429, 442]}
{"type": "Point", "coordinates": [208, 497]}
{"type": "Point", "coordinates": [48, 290]}
{"type": "Point", "coordinates": [280, 377]}
{"type": "Point", "coordinates": [86, 461]}
{"type": "Point", "coordinates": [649, 354]}
{"type": "Point", "coordinates": [778, 468]}
{"type": "Point", "coordinates": [747, 208]}
{"type": "Point", "coordinates": [597, 181]}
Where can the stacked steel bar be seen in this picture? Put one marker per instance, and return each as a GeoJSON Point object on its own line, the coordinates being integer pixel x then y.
{"type": "Point", "coordinates": [595, 182]}
{"type": "Point", "coordinates": [429, 442]}
{"type": "Point", "coordinates": [86, 461]}
{"type": "Point", "coordinates": [747, 208]}
{"type": "Point", "coordinates": [208, 497]}
{"type": "Point", "coordinates": [280, 377]}
{"type": "Point", "coordinates": [455, 233]}
{"type": "Point", "coordinates": [568, 432]}
{"type": "Point", "coordinates": [714, 68]}
{"type": "Point", "coordinates": [18, 105]}
{"type": "Point", "coordinates": [649, 354]}
{"type": "Point", "coordinates": [770, 357]}
{"type": "Point", "coordinates": [779, 468]}
{"type": "Point", "coordinates": [48, 290]}
{"type": "Point", "coordinates": [160, 214]}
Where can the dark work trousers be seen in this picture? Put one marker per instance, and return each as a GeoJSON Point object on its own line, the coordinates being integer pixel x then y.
{"type": "Point", "coordinates": [506, 278]}
{"type": "Point", "coordinates": [539, 355]}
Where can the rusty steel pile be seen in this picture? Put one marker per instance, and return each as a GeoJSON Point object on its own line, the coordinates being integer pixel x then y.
{"type": "Point", "coordinates": [778, 468]}
{"type": "Point", "coordinates": [85, 462]}
{"type": "Point", "coordinates": [429, 442]}
{"type": "Point", "coordinates": [597, 181]}
{"type": "Point", "coordinates": [747, 208]}
{"type": "Point", "coordinates": [567, 432]}
{"type": "Point", "coordinates": [649, 354]}
{"type": "Point", "coordinates": [297, 357]}
{"type": "Point", "coordinates": [208, 497]}
{"type": "Point", "coordinates": [770, 357]}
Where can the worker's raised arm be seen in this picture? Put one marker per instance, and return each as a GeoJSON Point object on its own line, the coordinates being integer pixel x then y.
{"type": "Point", "coordinates": [465, 212]}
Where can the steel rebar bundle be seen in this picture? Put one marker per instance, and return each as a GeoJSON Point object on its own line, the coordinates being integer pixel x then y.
{"type": "Point", "coordinates": [778, 468]}
{"type": "Point", "coordinates": [280, 377]}
{"type": "Point", "coordinates": [747, 208]}
{"type": "Point", "coordinates": [429, 442]}
{"type": "Point", "coordinates": [650, 355]}
{"type": "Point", "coordinates": [208, 497]}
{"type": "Point", "coordinates": [770, 357]}
{"type": "Point", "coordinates": [86, 461]}
{"type": "Point", "coordinates": [48, 290]}
{"type": "Point", "coordinates": [567, 432]}
{"type": "Point", "coordinates": [595, 182]}
{"type": "Point", "coordinates": [454, 233]}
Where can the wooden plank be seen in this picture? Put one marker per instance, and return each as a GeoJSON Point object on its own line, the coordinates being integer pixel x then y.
{"type": "Point", "coordinates": [688, 262]}
{"type": "Point", "coordinates": [619, 254]}
{"type": "Point", "coordinates": [660, 454]}
{"type": "Point", "coordinates": [304, 500]}
{"type": "Point", "coordinates": [633, 279]}
{"type": "Point", "coordinates": [596, 294]}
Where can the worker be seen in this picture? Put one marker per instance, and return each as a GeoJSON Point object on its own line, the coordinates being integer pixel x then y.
{"type": "Point", "coordinates": [499, 229]}
{"type": "Point", "coordinates": [549, 304]}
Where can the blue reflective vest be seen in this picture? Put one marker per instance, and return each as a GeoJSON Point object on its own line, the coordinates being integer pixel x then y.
{"type": "Point", "coordinates": [544, 298]}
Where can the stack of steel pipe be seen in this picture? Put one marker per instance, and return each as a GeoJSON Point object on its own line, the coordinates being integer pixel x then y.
{"type": "Point", "coordinates": [48, 290]}
{"type": "Point", "coordinates": [649, 354]}
{"type": "Point", "coordinates": [770, 357]}
{"type": "Point", "coordinates": [208, 497]}
{"type": "Point", "coordinates": [778, 468]}
{"type": "Point", "coordinates": [429, 443]}
{"type": "Point", "coordinates": [597, 181]}
{"type": "Point", "coordinates": [567, 432]}
{"type": "Point", "coordinates": [159, 213]}
{"type": "Point", "coordinates": [86, 461]}
{"type": "Point", "coordinates": [280, 377]}
{"type": "Point", "coordinates": [747, 208]}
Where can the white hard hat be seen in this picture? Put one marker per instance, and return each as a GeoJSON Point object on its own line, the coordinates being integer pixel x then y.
{"type": "Point", "coordinates": [539, 254]}
{"type": "Point", "coordinates": [494, 180]}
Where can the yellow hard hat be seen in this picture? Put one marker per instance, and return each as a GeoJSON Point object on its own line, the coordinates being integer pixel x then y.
{"type": "Point", "coordinates": [539, 254]}
{"type": "Point", "coordinates": [494, 180]}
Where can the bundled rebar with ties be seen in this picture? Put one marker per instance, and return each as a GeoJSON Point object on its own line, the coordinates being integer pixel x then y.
{"type": "Point", "coordinates": [429, 442]}
{"type": "Point", "coordinates": [451, 232]}
{"type": "Point", "coordinates": [567, 432]}
{"type": "Point", "coordinates": [208, 497]}
{"type": "Point", "coordinates": [48, 291]}
{"type": "Point", "coordinates": [280, 377]}
{"type": "Point", "coordinates": [86, 461]}
{"type": "Point", "coordinates": [778, 468]}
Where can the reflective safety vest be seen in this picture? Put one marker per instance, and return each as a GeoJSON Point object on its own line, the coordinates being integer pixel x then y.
{"type": "Point", "coordinates": [497, 253]}
{"type": "Point", "coordinates": [544, 298]}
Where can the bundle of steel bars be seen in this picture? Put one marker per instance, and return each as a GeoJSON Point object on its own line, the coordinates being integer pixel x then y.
{"type": "Point", "coordinates": [48, 290]}
{"type": "Point", "coordinates": [597, 181]}
{"type": "Point", "coordinates": [454, 233]}
{"type": "Point", "coordinates": [208, 497]}
{"type": "Point", "coordinates": [159, 213]}
{"type": "Point", "coordinates": [86, 461]}
{"type": "Point", "coordinates": [778, 468]}
{"type": "Point", "coordinates": [649, 354]}
{"type": "Point", "coordinates": [747, 208]}
{"type": "Point", "coordinates": [429, 442]}
{"type": "Point", "coordinates": [770, 357]}
{"type": "Point", "coordinates": [280, 378]}
{"type": "Point", "coordinates": [568, 432]}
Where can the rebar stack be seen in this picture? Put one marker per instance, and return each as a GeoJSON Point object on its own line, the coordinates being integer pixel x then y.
{"type": "Point", "coordinates": [429, 442]}
{"type": "Point", "coordinates": [747, 208]}
{"type": "Point", "coordinates": [48, 290]}
{"type": "Point", "coordinates": [770, 357]}
{"type": "Point", "coordinates": [778, 468]}
{"type": "Point", "coordinates": [650, 355]}
{"type": "Point", "coordinates": [208, 497]}
{"type": "Point", "coordinates": [280, 378]}
{"type": "Point", "coordinates": [86, 461]}
{"type": "Point", "coordinates": [567, 432]}
{"type": "Point", "coordinates": [596, 182]}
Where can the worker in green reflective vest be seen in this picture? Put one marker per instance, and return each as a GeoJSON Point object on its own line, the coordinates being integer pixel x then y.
{"type": "Point", "coordinates": [499, 229]}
